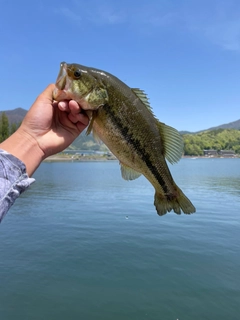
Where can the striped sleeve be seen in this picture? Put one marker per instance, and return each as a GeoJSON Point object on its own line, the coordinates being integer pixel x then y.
{"type": "Point", "coordinates": [13, 181]}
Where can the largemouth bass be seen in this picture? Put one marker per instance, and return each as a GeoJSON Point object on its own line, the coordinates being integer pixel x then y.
{"type": "Point", "coordinates": [122, 118]}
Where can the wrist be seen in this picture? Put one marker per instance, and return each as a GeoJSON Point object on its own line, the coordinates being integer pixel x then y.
{"type": "Point", "coordinates": [23, 146]}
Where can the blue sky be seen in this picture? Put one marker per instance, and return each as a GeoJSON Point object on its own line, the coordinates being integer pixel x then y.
{"type": "Point", "coordinates": [184, 54]}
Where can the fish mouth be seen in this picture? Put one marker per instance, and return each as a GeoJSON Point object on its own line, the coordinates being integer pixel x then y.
{"type": "Point", "coordinates": [61, 82]}
{"type": "Point", "coordinates": [62, 76]}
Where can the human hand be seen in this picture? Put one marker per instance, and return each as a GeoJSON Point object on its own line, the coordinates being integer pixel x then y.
{"type": "Point", "coordinates": [48, 128]}
{"type": "Point", "coordinates": [53, 125]}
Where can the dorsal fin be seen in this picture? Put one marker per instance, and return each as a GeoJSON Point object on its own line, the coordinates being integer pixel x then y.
{"type": "Point", "coordinates": [142, 96]}
{"type": "Point", "coordinates": [172, 142]}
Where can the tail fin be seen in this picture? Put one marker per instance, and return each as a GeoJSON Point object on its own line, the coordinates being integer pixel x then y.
{"type": "Point", "coordinates": [181, 202]}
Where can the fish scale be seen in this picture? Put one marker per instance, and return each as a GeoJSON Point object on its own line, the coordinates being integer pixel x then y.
{"type": "Point", "coordinates": [143, 154]}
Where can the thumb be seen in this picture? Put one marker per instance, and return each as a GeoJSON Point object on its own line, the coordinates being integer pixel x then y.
{"type": "Point", "coordinates": [47, 94]}
{"type": "Point", "coordinates": [43, 102]}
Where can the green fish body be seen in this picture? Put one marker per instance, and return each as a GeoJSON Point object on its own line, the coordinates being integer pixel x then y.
{"type": "Point", "coordinates": [122, 118]}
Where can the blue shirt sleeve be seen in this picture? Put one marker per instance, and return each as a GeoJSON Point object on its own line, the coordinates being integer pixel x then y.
{"type": "Point", "coordinates": [13, 181]}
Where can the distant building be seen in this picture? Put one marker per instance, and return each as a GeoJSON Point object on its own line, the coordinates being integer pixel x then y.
{"type": "Point", "coordinates": [210, 153]}
{"type": "Point", "coordinates": [227, 153]}
{"type": "Point", "coordinates": [221, 153]}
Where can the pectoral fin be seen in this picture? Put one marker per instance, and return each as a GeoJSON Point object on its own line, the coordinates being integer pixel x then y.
{"type": "Point", "coordinates": [90, 126]}
{"type": "Point", "coordinates": [91, 129]}
{"type": "Point", "coordinates": [128, 173]}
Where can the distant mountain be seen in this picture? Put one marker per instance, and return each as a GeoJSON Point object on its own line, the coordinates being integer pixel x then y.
{"type": "Point", "coordinates": [230, 125]}
{"type": "Point", "coordinates": [16, 115]}
{"type": "Point", "coordinates": [88, 142]}
{"type": "Point", "coordinates": [186, 132]}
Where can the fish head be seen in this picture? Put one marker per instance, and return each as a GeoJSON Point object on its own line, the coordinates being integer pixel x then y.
{"type": "Point", "coordinates": [76, 82]}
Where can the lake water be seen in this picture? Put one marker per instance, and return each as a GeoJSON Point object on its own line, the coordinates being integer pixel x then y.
{"type": "Point", "coordinates": [82, 243]}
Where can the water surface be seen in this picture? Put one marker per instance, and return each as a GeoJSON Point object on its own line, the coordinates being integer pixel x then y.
{"type": "Point", "coordinates": [82, 243]}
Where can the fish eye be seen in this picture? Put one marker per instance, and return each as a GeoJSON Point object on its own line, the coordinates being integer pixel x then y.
{"type": "Point", "coordinates": [77, 74]}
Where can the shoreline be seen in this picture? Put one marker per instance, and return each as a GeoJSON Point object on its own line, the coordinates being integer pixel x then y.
{"type": "Point", "coordinates": [86, 158]}
{"type": "Point", "coordinates": [103, 158]}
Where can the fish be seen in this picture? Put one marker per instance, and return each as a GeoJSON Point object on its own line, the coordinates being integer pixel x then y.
{"type": "Point", "coordinates": [122, 118]}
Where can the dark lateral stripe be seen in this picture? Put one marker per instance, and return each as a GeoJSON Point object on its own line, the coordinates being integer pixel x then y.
{"type": "Point", "coordinates": [137, 146]}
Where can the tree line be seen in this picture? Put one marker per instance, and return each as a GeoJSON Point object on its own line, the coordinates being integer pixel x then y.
{"type": "Point", "coordinates": [220, 139]}
{"type": "Point", "coordinates": [6, 129]}
{"type": "Point", "coordinates": [194, 144]}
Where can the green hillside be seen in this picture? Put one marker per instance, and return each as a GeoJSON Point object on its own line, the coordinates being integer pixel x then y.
{"type": "Point", "coordinates": [224, 137]}
{"type": "Point", "coordinates": [194, 144]}
{"type": "Point", "coordinates": [220, 139]}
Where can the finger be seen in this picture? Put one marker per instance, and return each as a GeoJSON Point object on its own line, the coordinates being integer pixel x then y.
{"type": "Point", "coordinates": [80, 117]}
{"type": "Point", "coordinates": [80, 126]}
{"type": "Point", "coordinates": [74, 107]}
{"type": "Point", "coordinates": [64, 106]}
{"type": "Point", "coordinates": [83, 118]}
{"type": "Point", "coordinates": [65, 121]}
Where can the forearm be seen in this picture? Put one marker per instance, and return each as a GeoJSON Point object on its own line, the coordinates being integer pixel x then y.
{"type": "Point", "coordinates": [19, 158]}
{"type": "Point", "coordinates": [13, 181]}
{"type": "Point", "coordinates": [25, 148]}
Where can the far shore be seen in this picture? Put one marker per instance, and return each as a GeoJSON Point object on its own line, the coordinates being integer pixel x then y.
{"type": "Point", "coordinates": [75, 158]}
{"type": "Point", "coordinates": [96, 157]}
